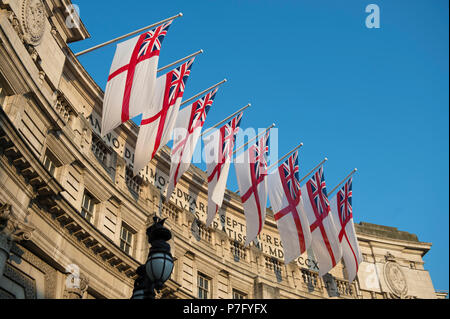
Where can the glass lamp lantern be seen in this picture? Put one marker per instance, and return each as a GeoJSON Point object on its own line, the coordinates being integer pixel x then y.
{"type": "Point", "coordinates": [159, 264]}
{"type": "Point", "coordinates": [159, 267]}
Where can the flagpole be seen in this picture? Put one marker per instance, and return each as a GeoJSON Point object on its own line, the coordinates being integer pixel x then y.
{"type": "Point", "coordinates": [262, 133]}
{"type": "Point", "coordinates": [204, 91]}
{"type": "Point", "coordinates": [348, 176]}
{"type": "Point", "coordinates": [316, 167]}
{"type": "Point", "coordinates": [273, 165]}
{"type": "Point", "coordinates": [223, 121]}
{"type": "Point", "coordinates": [127, 35]}
{"type": "Point", "coordinates": [181, 60]}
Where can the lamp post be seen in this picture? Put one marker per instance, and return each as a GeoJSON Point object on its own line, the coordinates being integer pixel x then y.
{"type": "Point", "coordinates": [159, 265]}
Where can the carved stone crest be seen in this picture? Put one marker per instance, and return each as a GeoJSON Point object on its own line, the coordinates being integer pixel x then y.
{"type": "Point", "coordinates": [33, 21]}
{"type": "Point", "coordinates": [395, 279]}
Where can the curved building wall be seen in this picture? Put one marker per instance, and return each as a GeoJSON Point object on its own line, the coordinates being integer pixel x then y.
{"type": "Point", "coordinates": [73, 218]}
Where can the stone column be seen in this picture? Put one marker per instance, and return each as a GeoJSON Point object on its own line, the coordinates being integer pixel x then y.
{"type": "Point", "coordinates": [11, 230]}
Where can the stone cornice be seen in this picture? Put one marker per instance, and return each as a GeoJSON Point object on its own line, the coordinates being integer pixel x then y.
{"type": "Point", "coordinates": [378, 239]}
{"type": "Point", "coordinates": [61, 15]}
{"type": "Point", "coordinates": [385, 232]}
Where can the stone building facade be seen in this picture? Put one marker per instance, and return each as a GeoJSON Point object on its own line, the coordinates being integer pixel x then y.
{"type": "Point", "coordinates": [73, 217]}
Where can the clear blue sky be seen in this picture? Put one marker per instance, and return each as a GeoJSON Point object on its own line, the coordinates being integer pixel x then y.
{"type": "Point", "coordinates": [375, 99]}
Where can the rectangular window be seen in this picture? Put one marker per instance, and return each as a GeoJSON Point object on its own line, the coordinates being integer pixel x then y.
{"type": "Point", "coordinates": [126, 239]}
{"type": "Point", "coordinates": [87, 207]}
{"type": "Point", "coordinates": [50, 162]}
{"type": "Point", "coordinates": [239, 295]}
{"type": "Point", "coordinates": [49, 165]}
{"type": "Point", "coordinates": [204, 284]}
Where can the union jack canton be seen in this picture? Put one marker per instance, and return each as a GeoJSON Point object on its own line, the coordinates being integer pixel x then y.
{"type": "Point", "coordinates": [153, 40]}
{"type": "Point", "coordinates": [344, 200]}
{"type": "Point", "coordinates": [201, 109]}
{"type": "Point", "coordinates": [319, 193]}
{"type": "Point", "coordinates": [291, 176]}
{"type": "Point", "coordinates": [228, 134]}
{"type": "Point", "coordinates": [259, 152]}
{"type": "Point", "coordinates": [179, 79]}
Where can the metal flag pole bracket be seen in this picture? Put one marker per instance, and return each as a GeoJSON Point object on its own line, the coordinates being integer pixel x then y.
{"type": "Point", "coordinates": [347, 177]}
{"type": "Point", "coordinates": [127, 35]}
{"type": "Point", "coordinates": [181, 60]}
{"type": "Point", "coordinates": [257, 136]}
{"type": "Point", "coordinates": [316, 167]}
{"type": "Point", "coordinates": [226, 119]}
{"type": "Point", "coordinates": [204, 91]}
{"type": "Point", "coordinates": [281, 159]}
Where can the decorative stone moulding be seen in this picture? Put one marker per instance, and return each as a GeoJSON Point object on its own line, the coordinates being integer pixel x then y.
{"type": "Point", "coordinates": [395, 278]}
{"type": "Point", "coordinates": [33, 21]}
{"type": "Point", "coordinates": [15, 23]}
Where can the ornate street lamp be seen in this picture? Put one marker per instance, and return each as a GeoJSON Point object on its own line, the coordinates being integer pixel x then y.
{"type": "Point", "coordinates": [159, 265]}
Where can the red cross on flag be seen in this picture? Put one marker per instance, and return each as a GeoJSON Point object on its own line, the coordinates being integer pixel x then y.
{"type": "Point", "coordinates": [218, 152]}
{"type": "Point", "coordinates": [187, 131]}
{"type": "Point", "coordinates": [325, 242]}
{"type": "Point", "coordinates": [341, 210]}
{"type": "Point", "coordinates": [251, 172]}
{"type": "Point", "coordinates": [286, 200]}
{"type": "Point", "coordinates": [159, 119]}
{"type": "Point", "coordinates": [132, 78]}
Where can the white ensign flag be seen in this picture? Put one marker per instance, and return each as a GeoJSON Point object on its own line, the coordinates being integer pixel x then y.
{"type": "Point", "coordinates": [325, 242]}
{"type": "Point", "coordinates": [159, 119]}
{"type": "Point", "coordinates": [187, 130]}
{"type": "Point", "coordinates": [218, 152]}
{"type": "Point", "coordinates": [132, 78]}
{"type": "Point", "coordinates": [251, 172]}
{"type": "Point", "coordinates": [286, 200]}
{"type": "Point", "coordinates": [342, 212]}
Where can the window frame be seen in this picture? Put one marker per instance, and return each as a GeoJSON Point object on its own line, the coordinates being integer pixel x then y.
{"type": "Point", "coordinates": [50, 161]}
{"type": "Point", "coordinates": [130, 235]}
{"type": "Point", "coordinates": [235, 292]}
{"type": "Point", "coordinates": [85, 210]}
{"type": "Point", "coordinates": [49, 164]}
{"type": "Point", "coordinates": [203, 291]}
